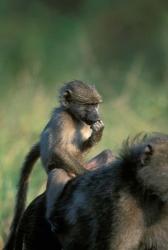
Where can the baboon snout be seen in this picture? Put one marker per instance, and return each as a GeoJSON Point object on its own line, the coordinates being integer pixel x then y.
{"type": "Point", "coordinates": [92, 118]}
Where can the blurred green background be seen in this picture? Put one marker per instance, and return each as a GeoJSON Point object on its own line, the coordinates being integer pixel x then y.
{"type": "Point", "coordinates": [119, 46]}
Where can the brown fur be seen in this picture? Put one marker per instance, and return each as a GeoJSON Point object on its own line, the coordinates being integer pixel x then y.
{"type": "Point", "coordinates": [129, 224]}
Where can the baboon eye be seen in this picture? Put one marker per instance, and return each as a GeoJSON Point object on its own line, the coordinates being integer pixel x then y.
{"type": "Point", "coordinates": [93, 105]}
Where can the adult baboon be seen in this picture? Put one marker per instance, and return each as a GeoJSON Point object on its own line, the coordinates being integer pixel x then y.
{"type": "Point", "coordinates": [73, 129]}
{"type": "Point", "coordinates": [122, 207]}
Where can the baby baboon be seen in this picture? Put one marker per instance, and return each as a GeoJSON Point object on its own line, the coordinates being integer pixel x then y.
{"type": "Point", "coordinates": [122, 207]}
{"type": "Point", "coordinates": [73, 129]}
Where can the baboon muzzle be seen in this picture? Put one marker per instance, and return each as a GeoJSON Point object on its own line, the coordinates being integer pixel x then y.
{"type": "Point", "coordinates": [91, 119]}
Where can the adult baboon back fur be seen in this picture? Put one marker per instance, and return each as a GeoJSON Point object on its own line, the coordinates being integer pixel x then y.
{"type": "Point", "coordinates": [73, 129]}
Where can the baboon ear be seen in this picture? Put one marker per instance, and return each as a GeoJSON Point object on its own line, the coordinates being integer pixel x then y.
{"type": "Point", "coordinates": [67, 97]}
{"type": "Point", "coordinates": [146, 154]}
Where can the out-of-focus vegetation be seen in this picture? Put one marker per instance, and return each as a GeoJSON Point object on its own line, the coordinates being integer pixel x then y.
{"type": "Point", "coordinates": [120, 46]}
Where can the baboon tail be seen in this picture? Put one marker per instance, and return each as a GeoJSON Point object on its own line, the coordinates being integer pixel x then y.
{"type": "Point", "coordinates": [26, 170]}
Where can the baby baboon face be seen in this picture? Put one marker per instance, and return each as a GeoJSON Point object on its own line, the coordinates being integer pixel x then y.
{"type": "Point", "coordinates": [82, 101]}
{"type": "Point", "coordinates": [88, 113]}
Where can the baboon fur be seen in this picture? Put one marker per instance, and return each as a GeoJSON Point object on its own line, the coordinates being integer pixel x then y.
{"type": "Point", "coordinates": [121, 207]}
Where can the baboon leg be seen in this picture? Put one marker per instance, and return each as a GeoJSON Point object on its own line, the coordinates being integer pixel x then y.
{"type": "Point", "coordinates": [57, 179]}
{"type": "Point", "coordinates": [103, 159]}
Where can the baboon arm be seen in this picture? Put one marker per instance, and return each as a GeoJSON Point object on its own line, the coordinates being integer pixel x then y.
{"type": "Point", "coordinates": [97, 131]}
{"type": "Point", "coordinates": [93, 139]}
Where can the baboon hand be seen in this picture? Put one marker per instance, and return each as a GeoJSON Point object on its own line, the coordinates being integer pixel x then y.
{"type": "Point", "coordinates": [98, 126]}
{"type": "Point", "coordinates": [97, 131]}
